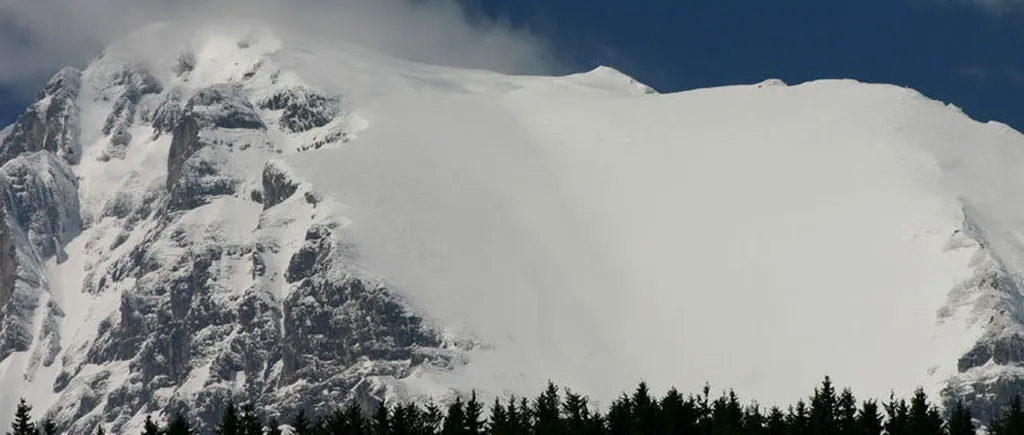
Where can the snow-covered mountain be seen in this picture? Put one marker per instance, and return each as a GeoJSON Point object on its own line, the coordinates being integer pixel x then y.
{"type": "Point", "coordinates": [245, 211]}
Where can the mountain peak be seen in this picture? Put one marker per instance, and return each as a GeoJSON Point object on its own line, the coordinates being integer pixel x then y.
{"type": "Point", "coordinates": [207, 212]}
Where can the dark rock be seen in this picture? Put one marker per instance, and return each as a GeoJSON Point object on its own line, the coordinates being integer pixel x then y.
{"type": "Point", "coordinates": [223, 106]}
{"type": "Point", "coordinates": [302, 109]}
{"type": "Point", "coordinates": [51, 123]}
{"type": "Point", "coordinates": [277, 185]}
{"type": "Point", "coordinates": [185, 64]}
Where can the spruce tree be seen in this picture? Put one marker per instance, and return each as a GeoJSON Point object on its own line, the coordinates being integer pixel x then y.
{"type": "Point", "coordinates": [960, 420]}
{"type": "Point", "coordinates": [406, 420]}
{"type": "Point", "coordinates": [577, 413]}
{"type": "Point", "coordinates": [620, 416]}
{"type": "Point", "coordinates": [23, 424]}
{"type": "Point", "coordinates": [898, 416]}
{"type": "Point", "coordinates": [178, 426]}
{"type": "Point", "coordinates": [518, 416]}
{"type": "Point", "coordinates": [498, 423]}
{"type": "Point", "coordinates": [432, 418]}
{"type": "Point", "coordinates": [869, 419]}
{"type": "Point", "coordinates": [49, 427]}
{"type": "Point", "coordinates": [301, 424]}
{"type": "Point", "coordinates": [273, 427]}
{"type": "Point", "coordinates": [150, 427]}
{"type": "Point", "coordinates": [474, 416]}
{"type": "Point", "coordinates": [824, 406]}
{"type": "Point", "coordinates": [547, 411]}
{"type": "Point", "coordinates": [381, 420]}
{"type": "Point", "coordinates": [799, 420]}
{"type": "Point", "coordinates": [249, 422]}
{"type": "Point", "coordinates": [99, 431]}
{"type": "Point", "coordinates": [678, 415]}
{"type": "Point", "coordinates": [753, 420]}
{"type": "Point", "coordinates": [776, 424]}
{"type": "Point", "coordinates": [924, 418]}
{"type": "Point", "coordinates": [846, 413]}
{"type": "Point", "coordinates": [1011, 421]}
{"type": "Point", "coordinates": [229, 422]}
{"type": "Point", "coordinates": [645, 410]}
{"type": "Point", "coordinates": [455, 420]}
{"type": "Point", "coordinates": [727, 414]}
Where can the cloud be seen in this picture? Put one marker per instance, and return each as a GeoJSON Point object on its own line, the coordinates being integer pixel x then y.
{"type": "Point", "coordinates": [38, 37]}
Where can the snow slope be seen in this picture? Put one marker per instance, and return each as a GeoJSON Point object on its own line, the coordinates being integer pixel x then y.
{"type": "Point", "coordinates": [754, 238]}
{"type": "Point", "coordinates": [583, 229]}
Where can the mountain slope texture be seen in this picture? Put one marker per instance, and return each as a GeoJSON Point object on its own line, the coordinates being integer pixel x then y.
{"type": "Point", "coordinates": [241, 212]}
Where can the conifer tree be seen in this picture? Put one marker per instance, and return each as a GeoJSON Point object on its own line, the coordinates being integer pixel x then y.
{"type": "Point", "coordinates": [474, 416]}
{"type": "Point", "coordinates": [620, 416]}
{"type": "Point", "coordinates": [406, 420]}
{"type": "Point", "coordinates": [678, 415]}
{"type": "Point", "coordinates": [924, 418]}
{"type": "Point", "coordinates": [846, 413]}
{"type": "Point", "coordinates": [455, 420]}
{"type": "Point", "coordinates": [575, 407]}
{"type": "Point", "coordinates": [727, 414]}
{"type": "Point", "coordinates": [229, 421]}
{"type": "Point", "coordinates": [1011, 421]}
{"type": "Point", "coordinates": [753, 420]}
{"type": "Point", "coordinates": [249, 422]}
{"type": "Point", "coordinates": [547, 411]}
{"type": "Point", "coordinates": [869, 419]}
{"type": "Point", "coordinates": [518, 416]}
{"type": "Point", "coordinates": [22, 424]}
{"type": "Point", "coordinates": [799, 420]}
{"type": "Point", "coordinates": [776, 424]}
{"type": "Point", "coordinates": [824, 406]}
{"type": "Point", "coordinates": [150, 427]}
{"type": "Point", "coordinates": [898, 416]}
{"type": "Point", "coordinates": [960, 420]}
{"type": "Point", "coordinates": [645, 410]}
{"type": "Point", "coordinates": [99, 431]}
{"type": "Point", "coordinates": [178, 426]}
{"type": "Point", "coordinates": [49, 427]}
{"type": "Point", "coordinates": [498, 423]}
{"type": "Point", "coordinates": [432, 418]}
{"type": "Point", "coordinates": [381, 420]}
{"type": "Point", "coordinates": [301, 424]}
{"type": "Point", "coordinates": [273, 427]}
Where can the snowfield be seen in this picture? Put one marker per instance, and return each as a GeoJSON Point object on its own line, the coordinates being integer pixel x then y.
{"type": "Point", "coordinates": [588, 230]}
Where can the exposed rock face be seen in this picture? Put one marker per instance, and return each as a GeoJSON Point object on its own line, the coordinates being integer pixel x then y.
{"type": "Point", "coordinates": [277, 185]}
{"type": "Point", "coordinates": [215, 291]}
{"type": "Point", "coordinates": [995, 300]}
{"type": "Point", "coordinates": [200, 149]}
{"type": "Point", "coordinates": [51, 123]}
{"type": "Point", "coordinates": [40, 209]}
{"type": "Point", "coordinates": [223, 106]}
{"type": "Point", "coordinates": [302, 109]}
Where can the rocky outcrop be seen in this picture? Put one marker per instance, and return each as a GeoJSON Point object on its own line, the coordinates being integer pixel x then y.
{"type": "Point", "coordinates": [51, 123]}
{"type": "Point", "coordinates": [163, 113]}
{"type": "Point", "coordinates": [301, 109]}
{"type": "Point", "coordinates": [40, 209]}
{"type": "Point", "coordinates": [135, 84]}
{"type": "Point", "coordinates": [223, 106]}
{"type": "Point", "coordinates": [211, 302]}
{"type": "Point", "coordinates": [277, 185]}
{"type": "Point", "coordinates": [198, 154]}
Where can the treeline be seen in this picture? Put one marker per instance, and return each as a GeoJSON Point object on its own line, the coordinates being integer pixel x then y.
{"type": "Point", "coordinates": [826, 412]}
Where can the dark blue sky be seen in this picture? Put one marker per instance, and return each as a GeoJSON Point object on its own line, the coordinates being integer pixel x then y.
{"type": "Point", "coordinates": [953, 51]}
{"type": "Point", "coordinates": [950, 50]}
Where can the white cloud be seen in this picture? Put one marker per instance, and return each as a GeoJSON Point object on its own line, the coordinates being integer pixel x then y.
{"type": "Point", "coordinates": [37, 37]}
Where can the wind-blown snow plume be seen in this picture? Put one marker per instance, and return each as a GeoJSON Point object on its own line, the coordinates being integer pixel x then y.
{"type": "Point", "coordinates": [44, 35]}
